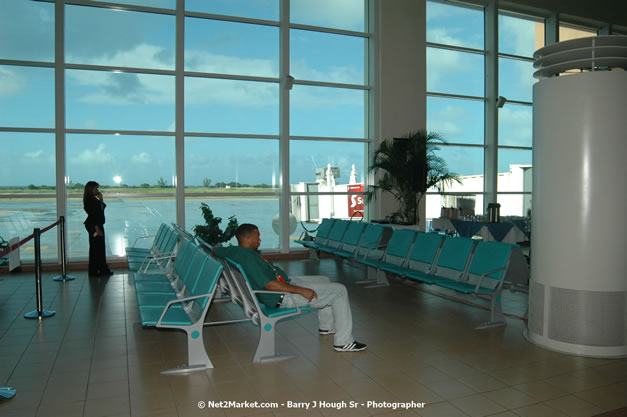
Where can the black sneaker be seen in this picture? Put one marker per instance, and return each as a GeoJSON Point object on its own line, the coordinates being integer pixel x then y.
{"type": "Point", "coordinates": [326, 332]}
{"type": "Point", "coordinates": [351, 347]}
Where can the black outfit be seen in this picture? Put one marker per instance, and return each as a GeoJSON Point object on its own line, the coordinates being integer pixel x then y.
{"type": "Point", "coordinates": [95, 217]}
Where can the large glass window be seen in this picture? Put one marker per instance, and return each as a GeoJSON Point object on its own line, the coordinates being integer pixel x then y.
{"type": "Point", "coordinates": [453, 25]}
{"type": "Point", "coordinates": [27, 31]}
{"type": "Point", "coordinates": [119, 100]}
{"type": "Point", "coordinates": [325, 111]}
{"type": "Point", "coordinates": [26, 96]}
{"type": "Point", "coordinates": [318, 56]}
{"type": "Point", "coordinates": [136, 175]}
{"type": "Point", "coordinates": [519, 36]}
{"type": "Point", "coordinates": [120, 83]}
{"type": "Point", "coordinates": [456, 120]}
{"type": "Point", "coordinates": [346, 14]}
{"type": "Point", "coordinates": [113, 37]}
{"type": "Point", "coordinates": [214, 46]}
{"type": "Point", "coordinates": [27, 189]}
{"type": "Point", "coordinates": [256, 9]}
{"type": "Point", "coordinates": [231, 106]}
{"type": "Point", "coordinates": [220, 165]}
{"type": "Point", "coordinates": [456, 100]}
{"type": "Point", "coordinates": [455, 72]}
{"type": "Point", "coordinates": [515, 125]}
{"type": "Point", "coordinates": [568, 31]}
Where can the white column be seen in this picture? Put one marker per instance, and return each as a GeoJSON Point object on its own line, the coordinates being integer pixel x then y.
{"type": "Point", "coordinates": [578, 287]}
{"type": "Point", "coordinates": [402, 78]}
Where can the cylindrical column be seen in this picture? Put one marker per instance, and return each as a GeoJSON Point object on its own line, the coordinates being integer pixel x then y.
{"type": "Point", "coordinates": [578, 287]}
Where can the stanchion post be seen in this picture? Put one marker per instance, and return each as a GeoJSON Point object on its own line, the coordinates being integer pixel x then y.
{"type": "Point", "coordinates": [63, 277]}
{"type": "Point", "coordinates": [40, 313]}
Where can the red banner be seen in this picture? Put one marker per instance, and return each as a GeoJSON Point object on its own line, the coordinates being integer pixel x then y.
{"type": "Point", "coordinates": [356, 202]}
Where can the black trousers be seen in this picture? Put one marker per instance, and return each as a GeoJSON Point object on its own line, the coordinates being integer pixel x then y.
{"type": "Point", "coordinates": [97, 256]}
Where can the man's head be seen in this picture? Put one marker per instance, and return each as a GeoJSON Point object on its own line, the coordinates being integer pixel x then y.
{"type": "Point", "coordinates": [248, 236]}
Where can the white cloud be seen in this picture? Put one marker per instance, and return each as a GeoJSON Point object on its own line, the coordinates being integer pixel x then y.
{"type": "Point", "coordinates": [335, 74]}
{"type": "Point", "coordinates": [141, 158]}
{"type": "Point", "coordinates": [96, 156]}
{"type": "Point", "coordinates": [10, 82]}
{"type": "Point", "coordinates": [34, 155]}
{"type": "Point", "coordinates": [442, 35]}
{"type": "Point", "coordinates": [201, 61]}
{"type": "Point", "coordinates": [442, 64]}
{"type": "Point", "coordinates": [515, 126]}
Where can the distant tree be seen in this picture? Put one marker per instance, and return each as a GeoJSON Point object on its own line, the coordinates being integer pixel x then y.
{"type": "Point", "coordinates": [32, 187]}
{"type": "Point", "coordinates": [161, 183]}
{"type": "Point", "coordinates": [220, 184]}
{"type": "Point", "coordinates": [144, 185]}
{"type": "Point", "coordinates": [77, 186]}
{"type": "Point", "coordinates": [124, 185]}
{"type": "Point", "coordinates": [206, 182]}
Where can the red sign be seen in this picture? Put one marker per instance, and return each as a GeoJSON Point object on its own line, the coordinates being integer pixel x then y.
{"type": "Point", "coordinates": [356, 202]}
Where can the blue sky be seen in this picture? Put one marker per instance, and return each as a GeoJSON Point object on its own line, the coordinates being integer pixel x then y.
{"type": "Point", "coordinates": [145, 102]}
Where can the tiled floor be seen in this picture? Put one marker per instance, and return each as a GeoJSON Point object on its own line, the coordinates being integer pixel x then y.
{"type": "Point", "coordinates": [93, 358]}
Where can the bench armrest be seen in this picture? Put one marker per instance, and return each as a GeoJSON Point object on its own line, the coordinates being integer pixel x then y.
{"type": "Point", "coordinates": [142, 237]}
{"type": "Point", "coordinates": [177, 301]}
{"type": "Point", "coordinates": [488, 273]}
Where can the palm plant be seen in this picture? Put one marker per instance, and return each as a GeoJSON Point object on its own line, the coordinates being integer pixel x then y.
{"type": "Point", "coordinates": [410, 167]}
{"type": "Point", "coordinates": [211, 232]}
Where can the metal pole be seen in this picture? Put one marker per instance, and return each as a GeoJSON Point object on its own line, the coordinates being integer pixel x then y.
{"type": "Point", "coordinates": [63, 277]}
{"type": "Point", "coordinates": [40, 313]}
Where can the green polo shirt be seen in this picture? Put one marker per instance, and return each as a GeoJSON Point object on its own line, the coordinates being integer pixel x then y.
{"type": "Point", "coordinates": [258, 271]}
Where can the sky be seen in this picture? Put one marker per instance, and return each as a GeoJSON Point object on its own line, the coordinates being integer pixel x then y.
{"type": "Point", "coordinates": [145, 102]}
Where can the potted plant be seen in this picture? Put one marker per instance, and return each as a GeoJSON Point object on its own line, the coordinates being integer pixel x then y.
{"type": "Point", "coordinates": [409, 167]}
{"type": "Point", "coordinates": [211, 232]}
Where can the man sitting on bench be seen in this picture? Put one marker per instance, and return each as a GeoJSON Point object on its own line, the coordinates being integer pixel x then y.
{"type": "Point", "coordinates": [330, 298]}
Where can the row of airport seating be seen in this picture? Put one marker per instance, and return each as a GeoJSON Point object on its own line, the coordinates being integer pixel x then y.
{"type": "Point", "coordinates": [176, 287]}
{"type": "Point", "coordinates": [461, 264]}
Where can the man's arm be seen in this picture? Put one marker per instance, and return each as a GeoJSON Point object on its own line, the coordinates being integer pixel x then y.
{"type": "Point", "coordinates": [276, 285]}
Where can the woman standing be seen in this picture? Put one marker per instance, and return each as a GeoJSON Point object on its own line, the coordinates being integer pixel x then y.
{"type": "Point", "coordinates": [94, 206]}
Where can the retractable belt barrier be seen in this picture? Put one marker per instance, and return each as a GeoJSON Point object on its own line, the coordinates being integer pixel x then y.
{"type": "Point", "coordinates": [40, 312]}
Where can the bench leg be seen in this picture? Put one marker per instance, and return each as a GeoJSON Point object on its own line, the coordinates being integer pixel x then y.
{"type": "Point", "coordinates": [313, 254]}
{"type": "Point", "coordinates": [497, 318]}
{"type": "Point", "coordinates": [197, 359]}
{"type": "Point", "coordinates": [376, 278]}
{"type": "Point", "coordinates": [266, 349]}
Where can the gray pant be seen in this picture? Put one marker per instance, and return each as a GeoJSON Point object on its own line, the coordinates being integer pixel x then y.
{"type": "Point", "coordinates": [334, 311]}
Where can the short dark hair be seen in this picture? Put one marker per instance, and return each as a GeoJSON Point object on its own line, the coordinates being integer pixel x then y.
{"type": "Point", "coordinates": [244, 230]}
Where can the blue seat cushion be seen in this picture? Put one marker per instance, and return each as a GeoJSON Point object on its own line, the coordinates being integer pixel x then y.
{"type": "Point", "coordinates": [154, 287]}
{"type": "Point", "coordinates": [141, 277]}
{"type": "Point", "coordinates": [156, 300]}
{"type": "Point", "coordinates": [175, 316]}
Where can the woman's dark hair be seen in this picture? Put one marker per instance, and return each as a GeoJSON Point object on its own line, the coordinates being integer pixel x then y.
{"type": "Point", "coordinates": [89, 190]}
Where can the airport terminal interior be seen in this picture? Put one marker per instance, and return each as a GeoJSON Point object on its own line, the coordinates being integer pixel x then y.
{"type": "Point", "coordinates": [271, 111]}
